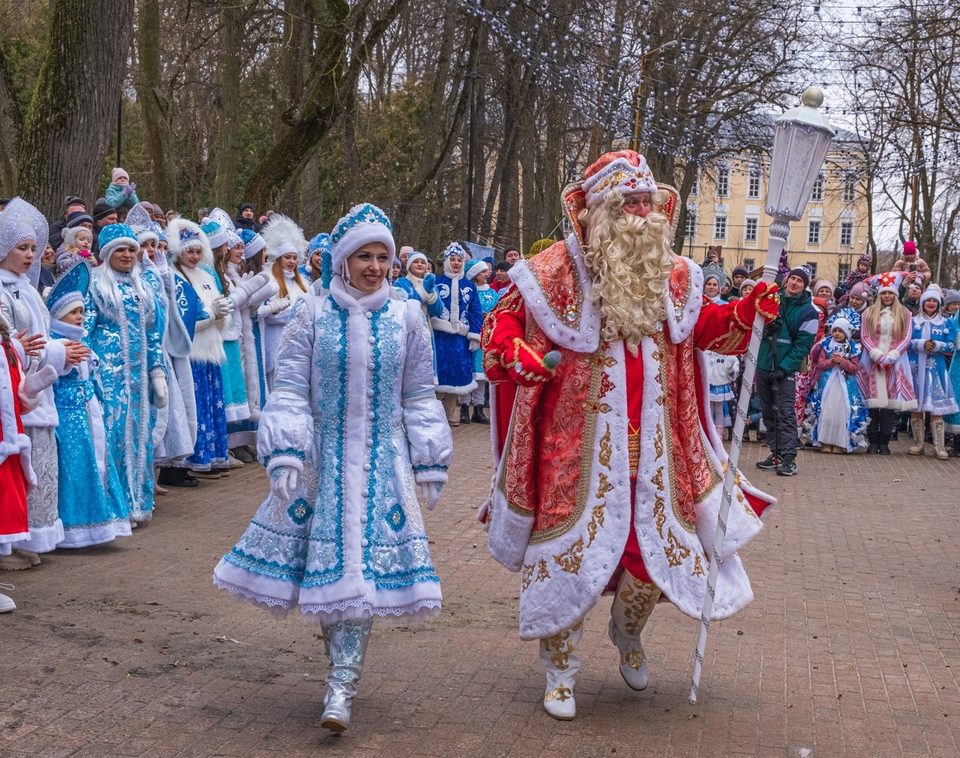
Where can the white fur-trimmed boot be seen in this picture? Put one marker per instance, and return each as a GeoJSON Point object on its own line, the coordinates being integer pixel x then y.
{"type": "Point", "coordinates": [346, 644]}
{"type": "Point", "coordinates": [559, 657]}
{"type": "Point", "coordinates": [632, 606]}
{"type": "Point", "coordinates": [916, 426]}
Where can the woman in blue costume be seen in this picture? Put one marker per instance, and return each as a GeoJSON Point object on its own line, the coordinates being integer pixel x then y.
{"type": "Point", "coordinates": [90, 499]}
{"type": "Point", "coordinates": [351, 428]}
{"type": "Point", "coordinates": [932, 344]}
{"type": "Point", "coordinates": [456, 331]}
{"type": "Point", "coordinates": [951, 312]}
{"type": "Point", "coordinates": [121, 328]}
{"type": "Point", "coordinates": [175, 430]}
{"type": "Point", "coordinates": [192, 258]}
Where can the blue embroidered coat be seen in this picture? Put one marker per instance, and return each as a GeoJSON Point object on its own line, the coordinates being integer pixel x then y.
{"type": "Point", "coordinates": [127, 342]}
{"type": "Point", "coordinates": [353, 409]}
{"type": "Point", "coordinates": [935, 393]}
{"type": "Point", "coordinates": [460, 322]}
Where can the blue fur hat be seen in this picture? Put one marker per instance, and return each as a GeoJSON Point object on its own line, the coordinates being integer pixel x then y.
{"type": "Point", "coordinates": [113, 236]}
{"type": "Point", "coordinates": [321, 241]}
{"type": "Point", "coordinates": [216, 234]}
{"type": "Point", "coordinates": [455, 248]}
{"type": "Point", "coordinates": [69, 291]}
{"type": "Point", "coordinates": [253, 243]}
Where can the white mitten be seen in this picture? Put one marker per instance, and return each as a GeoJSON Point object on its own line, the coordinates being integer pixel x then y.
{"type": "Point", "coordinates": [36, 382]}
{"type": "Point", "coordinates": [158, 383]}
{"type": "Point", "coordinates": [280, 304]}
{"type": "Point", "coordinates": [430, 493]}
{"type": "Point", "coordinates": [222, 307]}
{"type": "Point", "coordinates": [283, 481]}
{"type": "Point", "coordinates": [240, 294]}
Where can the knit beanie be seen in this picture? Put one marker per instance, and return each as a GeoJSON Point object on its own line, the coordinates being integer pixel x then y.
{"type": "Point", "coordinates": [803, 272]}
{"type": "Point", "coordinates": [119, 173]}
{"type": "Point", "coordinates": [861, 290]}
{"type": "Point", "coordinates": [78, 217]}
{"type": "Point", "coordinates": [909, 248]}
{"type": "Point", "coordinates": [102, 209]}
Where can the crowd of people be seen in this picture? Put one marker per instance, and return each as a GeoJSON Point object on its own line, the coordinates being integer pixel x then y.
{"type": "Point", "coordinates": [140, 347]}
{"type": "Point", "coordinates": [847, 366]}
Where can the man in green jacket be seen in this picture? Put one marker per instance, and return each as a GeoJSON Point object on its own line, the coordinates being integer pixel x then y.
{"type": "Point", "coordinates": [786, 344]}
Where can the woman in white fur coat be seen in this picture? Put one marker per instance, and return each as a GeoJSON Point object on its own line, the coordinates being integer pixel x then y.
{"type": "Point", "coordinates": [351, 427]}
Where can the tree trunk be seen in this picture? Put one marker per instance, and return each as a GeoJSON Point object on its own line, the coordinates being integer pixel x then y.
{"type": "Point", "coordinates": [230, 49]}
{"type": "Point", "coordinates": [154, 107]}
{"type": "Point", "coordinates": [11, 120]}
{"type": "Point", "coordinates": [69, 122]}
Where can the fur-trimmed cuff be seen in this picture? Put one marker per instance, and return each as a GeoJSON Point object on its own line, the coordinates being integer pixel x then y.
{"type": "Point", "coordinates": [474, 336]}
{"type": "Point", "coordinates": [288, 457]}
{"type": "Point", "coordinates": [425, 474]}
{"type": "Point", "coordinates": [509, 533]}
{"type": "Point", "coordinates": [894, 354]}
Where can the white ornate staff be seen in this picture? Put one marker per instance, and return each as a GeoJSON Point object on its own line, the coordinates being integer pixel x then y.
{"type": "Point", "coordinates": [801, 138]}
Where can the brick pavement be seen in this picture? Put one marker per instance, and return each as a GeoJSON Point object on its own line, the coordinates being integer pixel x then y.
{"type": "Point", "coordinates": [850, 647]}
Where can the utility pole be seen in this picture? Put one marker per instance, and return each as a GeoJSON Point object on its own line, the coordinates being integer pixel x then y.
{"type": "Point", "coordinates": [471, 150]}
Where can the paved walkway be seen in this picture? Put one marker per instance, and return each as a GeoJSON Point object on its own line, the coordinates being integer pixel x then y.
{"type": "Point", "coordinates": [850, 648]}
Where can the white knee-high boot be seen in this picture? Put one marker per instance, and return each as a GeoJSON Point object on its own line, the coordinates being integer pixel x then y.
{"type": "Point", "coordinates": [346, 644]}
{"type": "Point", "coordinates": [632, 606]}
{"type": "Point", "coordinates": [559, 657]}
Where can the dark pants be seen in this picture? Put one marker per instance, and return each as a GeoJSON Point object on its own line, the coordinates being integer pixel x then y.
{"type": "Point", "coordinates": [776, 404]}
{"type": "Point", "coordinates": [883, 422]}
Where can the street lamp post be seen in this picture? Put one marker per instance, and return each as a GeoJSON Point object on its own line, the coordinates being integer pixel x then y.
{"type": "Point", "coordinates": [801, 139]}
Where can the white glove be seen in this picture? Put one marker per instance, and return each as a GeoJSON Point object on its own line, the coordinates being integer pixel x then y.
{"type": "Point", "coordinates": [240, 293]}
{"type": "Point", "coordinates": [473, 345]}
{"type": "Point", "coordinates": [283, 481]}
{"type": "Point", "coordinates": [280, 304]}
{"type": "Point", "coordinates": [430, 493]}
{"type": "Point", "coordinates": [222, 307]}
{"type": "Point", "coordinates": [158, 383]}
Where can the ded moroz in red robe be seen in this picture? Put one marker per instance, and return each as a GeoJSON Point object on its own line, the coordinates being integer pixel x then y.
{"type": "Point", "coordinates": [566, 511]}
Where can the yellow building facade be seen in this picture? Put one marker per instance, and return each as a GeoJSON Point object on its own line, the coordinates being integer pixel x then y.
{"type": "Point", "coordinates": [725, 209]}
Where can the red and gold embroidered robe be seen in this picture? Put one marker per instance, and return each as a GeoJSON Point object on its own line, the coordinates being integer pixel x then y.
{"type": "Point", "coordinates": [562, 510]}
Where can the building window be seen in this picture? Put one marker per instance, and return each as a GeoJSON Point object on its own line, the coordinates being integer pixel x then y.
{"type": "Point", "coordinates": [695, 190]}
{"type": "Point", "coordinates": [816, 194]}
{"type": "Point", "coordinates": [844, 271]}
{"type": "Point", "coordinates": [691, 229]}
{"type": "Point", "coordinates": [813, 231]}
{"type": "Point", "coordinates": [723, 181]}
{"type": "Point", "coordinates": [849, 188]}
{"type": "Point", "coordinates": [812, 266]}
{"type": "Point", "coordinates": [749, 264]}
{"type": "Point", "coordinates": [750, 233]}
{"type": "Point", "coordinates": [720, 227]}
{"type": "Point", "coordinates": [846, 233]}
{"type": "Point", "coordinates": [753, 183]}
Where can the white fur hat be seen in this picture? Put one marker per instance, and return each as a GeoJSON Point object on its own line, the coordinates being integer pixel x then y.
{"type": "Point", "coordinates": [365, 223]}
{"type": "Point", "coordinates": [283, 236]}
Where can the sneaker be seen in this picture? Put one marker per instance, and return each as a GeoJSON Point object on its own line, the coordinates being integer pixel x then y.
{"type": "Point", "coordinates": [769, 463]}
{"type": "Point", "coordinates": [6, 602]}
{"type": "Point", "coordinates": [233, 461]}
{"type": "Point", "coordinates": [787, 468]}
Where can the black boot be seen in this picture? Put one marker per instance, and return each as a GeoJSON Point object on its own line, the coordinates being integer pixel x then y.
{"type": "Point", "coordinates": [478, 417]}
{"type": "Point", "coordinates": [175, 477]}
{"type": "Point", "coordinates": [955, 447]}
{"type": "Point", "coordinates": [464, 414]}
{"type": "Point", "coordinates": [873, 444]}
{"type": "Point", "coordinates": [884, 444]}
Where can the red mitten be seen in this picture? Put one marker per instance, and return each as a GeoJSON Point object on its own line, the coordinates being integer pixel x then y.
{"type": "Point", "coordinates": [529, 366]}
{"type": "Point", "coordinates": [763, 299]}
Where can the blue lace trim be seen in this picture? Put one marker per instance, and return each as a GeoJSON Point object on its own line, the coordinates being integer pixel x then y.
{"type": "Point", "coordinates": [291, 452]}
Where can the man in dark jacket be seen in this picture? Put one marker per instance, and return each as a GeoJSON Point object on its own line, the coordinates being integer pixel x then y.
{"type": "Point", "coordinates": [786, 344]}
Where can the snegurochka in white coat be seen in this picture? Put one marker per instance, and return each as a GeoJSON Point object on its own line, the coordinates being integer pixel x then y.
{"type": "Point", "coordinates": [351, 428]}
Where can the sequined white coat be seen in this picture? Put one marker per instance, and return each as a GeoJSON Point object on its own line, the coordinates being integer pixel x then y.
{"type": "Point", "coordinates": [354, 410]}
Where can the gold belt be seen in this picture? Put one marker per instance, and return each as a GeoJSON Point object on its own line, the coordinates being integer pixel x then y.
{"type": "Point", "coordinates": [633, 449]}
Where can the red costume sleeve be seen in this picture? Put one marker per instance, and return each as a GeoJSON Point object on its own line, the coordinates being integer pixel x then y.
{"type": "Point", "coordinates": [725, 328]}
{"type": "Point", "coordinates": [506, 354]}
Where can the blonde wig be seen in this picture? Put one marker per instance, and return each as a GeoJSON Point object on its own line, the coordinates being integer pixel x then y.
{"type": "Point", "coordinates": [901, 319]}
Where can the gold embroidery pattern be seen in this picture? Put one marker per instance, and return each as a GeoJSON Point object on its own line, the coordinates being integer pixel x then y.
{"type": "Point", "coordinates": [526, 576]}
{"type": "Point", "coordinates": [560, 693]}
{"type": "Point", "coordinates": [640, 598]}
{"type": "Point", "coordinates": [659, 510]}
{"type": "Point", "coordinates": [560, 647]}
{"type": "Point", "coordinates": [658, 442]}
{"type": "Point", "coordinates": [697, 566]}
{"type": "Point", "coordinates": [675, 551]}
{"type": "Point", "coordinates": [596, 521]}
{"type": "Point", "coordinates": [606, 449]}
{"type": "Point", "coordinates": [658, 479]}
{"type": "Point", "coordinates": [543, 573]}
{"type": "Point", "coordinates": [603, 486]}
{"type": "Point", "coordinates": [571, 558]}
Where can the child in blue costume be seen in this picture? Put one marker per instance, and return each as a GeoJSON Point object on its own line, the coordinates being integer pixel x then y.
{"type": "Point", "coordinates": [456, 331]}
{"type": "Point", "coordinates": [479, 273]}
{"type": "Point", "coordinates": [90, 499]}
{"type": "Point", "coordinates": [932, 344]}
